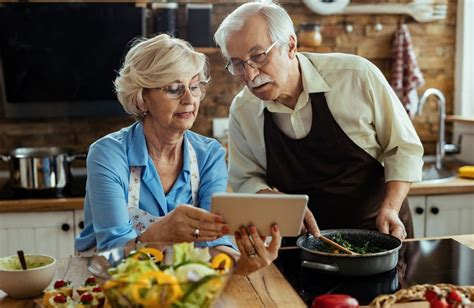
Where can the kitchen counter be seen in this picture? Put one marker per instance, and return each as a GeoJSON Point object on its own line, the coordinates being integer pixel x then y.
{"type": "Point", "coordinates": [457, 186]}
{"type": "Point", "coordinates": [266, 288]}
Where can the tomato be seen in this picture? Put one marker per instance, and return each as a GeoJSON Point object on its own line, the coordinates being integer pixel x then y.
{"type": "Point", "coordinates": [59, 284]}
{"type": "Point", "coordinates": [439, 303]}
{"type": "Point", "coordinates": [86, 298]}
{"type": "Point", "coordinates": [454, 297]}
{"type": "Point", "coordinates": [59, 298]}
{"type": "Point", "coordinates": [334, 301]}
{"type": "Point", "coordinates": [90, 281]}
{"type": "Point", "coordinates": [433, 293]}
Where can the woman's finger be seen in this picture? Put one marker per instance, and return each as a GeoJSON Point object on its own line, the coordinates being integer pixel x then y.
{"type": "Point", "coordinates": [258, 244]}
{"type": "Point", "coordinates": [276, 240]}
{"type": "Point", "coordinates": [201, 215]}
{"type": "Point", "coordinates": [247, 244]}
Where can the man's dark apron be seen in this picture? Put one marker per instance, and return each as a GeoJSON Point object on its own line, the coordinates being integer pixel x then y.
{"type": "Point", "coordinates": [345, 185]}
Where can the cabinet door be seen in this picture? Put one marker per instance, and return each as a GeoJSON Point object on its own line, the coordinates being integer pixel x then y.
{"type": "Point", "coordinates": [418, 210]}
{"type": "Point", "coordinates": [450, 215]}
{"type": "Point", "coordinates": [50, 233]}
{"type": "Point", "coordinates": [78, 222]}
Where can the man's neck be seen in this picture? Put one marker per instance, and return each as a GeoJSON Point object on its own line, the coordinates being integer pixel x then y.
{"type": "Point", "coordinates": [293, 88]}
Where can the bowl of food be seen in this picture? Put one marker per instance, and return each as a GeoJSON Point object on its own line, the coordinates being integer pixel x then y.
{"type": "Point", "coordinates": [178, 275]}
{"type": "Point", "coordinates": [19, 283]}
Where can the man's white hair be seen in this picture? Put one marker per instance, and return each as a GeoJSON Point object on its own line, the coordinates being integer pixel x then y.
{"type": "Point", "coordinates": [280, 25]}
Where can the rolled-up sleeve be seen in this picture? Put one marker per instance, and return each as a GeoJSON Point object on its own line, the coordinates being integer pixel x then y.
{"type": "Point", "coordinates": [402, 149]}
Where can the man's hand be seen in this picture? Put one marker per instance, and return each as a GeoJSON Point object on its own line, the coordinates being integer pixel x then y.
{"type": "Point", "coordinates": [388, 222]}
{"type": "Point", "coordinates": [309, 224]}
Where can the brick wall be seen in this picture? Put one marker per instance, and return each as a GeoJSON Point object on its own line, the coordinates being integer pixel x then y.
{"type": "Point", "coordinates": [434, 46]}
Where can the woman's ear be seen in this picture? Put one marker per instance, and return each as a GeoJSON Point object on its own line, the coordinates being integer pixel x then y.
{"type": "Point", "coordinates": [292, 47]}
{"type": "Point", "coordinates": [142, 101]}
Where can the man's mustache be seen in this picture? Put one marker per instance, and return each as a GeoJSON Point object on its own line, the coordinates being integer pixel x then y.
{"type": "Point", "coordinates": [259, 80]}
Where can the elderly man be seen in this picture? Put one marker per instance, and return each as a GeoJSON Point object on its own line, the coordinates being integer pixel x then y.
{"type": "Point", "coordinates": [326, 125]}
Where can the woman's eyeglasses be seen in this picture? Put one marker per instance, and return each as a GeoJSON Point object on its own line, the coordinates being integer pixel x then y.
{"type": "Point", "coordinates": [176, 90]}
{"type": "Point", "coordinates": [258, 60]}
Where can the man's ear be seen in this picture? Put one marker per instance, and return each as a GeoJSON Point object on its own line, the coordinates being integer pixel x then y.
{"type": "Point", "coordinates": [292, 47]}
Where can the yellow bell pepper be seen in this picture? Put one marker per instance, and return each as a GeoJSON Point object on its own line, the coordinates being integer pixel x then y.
{"type": "Point", "coordinates": [157, 256]}
{"type": "Point", "coordinates": [155, 283]}
{"type": "Point", "coordinates": [222, 257]}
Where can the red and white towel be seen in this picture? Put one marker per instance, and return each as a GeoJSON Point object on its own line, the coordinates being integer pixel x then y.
{"type": "Point", "coordinates": [406, 76]}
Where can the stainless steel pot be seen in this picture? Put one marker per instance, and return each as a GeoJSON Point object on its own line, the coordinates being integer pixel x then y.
{"type": "Point", "coordinates": [352, 265]}
{"type": "Point", "coordinates": [42, 168]}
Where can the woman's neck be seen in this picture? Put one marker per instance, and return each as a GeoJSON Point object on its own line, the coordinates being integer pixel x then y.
{"type": "Point", "coordinates": [163, 145]}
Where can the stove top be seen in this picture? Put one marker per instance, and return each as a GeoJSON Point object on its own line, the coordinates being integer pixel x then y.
{"type": "Point", "coordinates": [76, 188]}
{"type": "Point", "coordinates": [420, 262]}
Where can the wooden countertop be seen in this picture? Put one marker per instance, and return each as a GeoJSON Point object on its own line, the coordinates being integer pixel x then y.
{"type": "Point", "coordinates": [266, 288]}
{"type": "Point", "coordinates": [457, 186]}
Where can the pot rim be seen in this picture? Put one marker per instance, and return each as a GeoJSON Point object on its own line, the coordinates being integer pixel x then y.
{"type": "Point", "coordinates": [35, 152]}
{"type": "Point", "coordinates": [368, 255]}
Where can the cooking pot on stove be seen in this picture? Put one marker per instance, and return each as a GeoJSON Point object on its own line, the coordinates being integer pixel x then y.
{"type": "Point", "coordinates": [352, 265]}
{"type": "Point", "coordinates": [40, 168]}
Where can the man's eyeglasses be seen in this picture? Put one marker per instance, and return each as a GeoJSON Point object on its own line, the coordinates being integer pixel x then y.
{"type": "Point", "coordinates": [176, 90]}
{"type": "Point", "coordinates": [256, 61]}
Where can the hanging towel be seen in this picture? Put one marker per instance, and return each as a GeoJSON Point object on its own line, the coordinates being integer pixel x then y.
{"type": "Point", "coordinates": [406, 76]}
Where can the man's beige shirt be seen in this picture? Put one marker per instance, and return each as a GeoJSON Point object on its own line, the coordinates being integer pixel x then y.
{"type": "Point", "coordinates": [360, 100]}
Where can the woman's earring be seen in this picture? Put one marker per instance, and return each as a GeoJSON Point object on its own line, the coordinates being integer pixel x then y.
{"type": "Point", "coordinates": [144, 113]}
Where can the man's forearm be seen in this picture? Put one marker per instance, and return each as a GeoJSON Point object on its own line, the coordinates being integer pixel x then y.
{"type": "Point", "coordinates": [395, 193]}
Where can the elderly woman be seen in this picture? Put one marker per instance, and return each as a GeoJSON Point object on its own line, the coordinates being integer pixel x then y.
{"type": "Point", "coordinates": [153, 181]}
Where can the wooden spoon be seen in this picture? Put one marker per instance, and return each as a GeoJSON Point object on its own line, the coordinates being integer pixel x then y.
{"type": "Point", "coordinates": [21, 256]}
{"type": "Point", "coordinates": [336, 245]}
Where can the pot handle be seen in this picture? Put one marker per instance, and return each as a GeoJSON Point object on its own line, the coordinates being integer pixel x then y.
{"type": "Point", "coordinates": [320, 266]}
{"type": "Point", "coordinates": [70, 158]}
{"type": "Point", "coordinates": [5, 158]}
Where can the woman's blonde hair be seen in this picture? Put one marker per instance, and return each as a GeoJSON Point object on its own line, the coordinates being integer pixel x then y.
{"type": "Point", "coordinates": [155, 62]}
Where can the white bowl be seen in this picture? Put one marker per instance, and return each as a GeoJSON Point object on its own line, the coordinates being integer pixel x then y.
{"type": "Point", "coordinates": [19, 283]}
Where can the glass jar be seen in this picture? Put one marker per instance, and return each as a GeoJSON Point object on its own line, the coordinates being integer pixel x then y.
{"type": "Point", "coordinates": [309, 35]}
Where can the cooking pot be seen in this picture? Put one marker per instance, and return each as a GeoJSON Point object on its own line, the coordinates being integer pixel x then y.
{"type": "Point", "coordinates": [41, 168]}
{"type": "Point", "coordinates": [351, 265]}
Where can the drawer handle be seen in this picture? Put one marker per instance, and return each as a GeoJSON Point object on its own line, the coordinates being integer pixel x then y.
{"type": "Point", "coordinates": [419, 210]}
{"type": "Point", "coordinates": [65, 227]}
{"type": "Point", "coordinates": [81, 224]}
{"type": "Point", "coordinates": [434, 210]}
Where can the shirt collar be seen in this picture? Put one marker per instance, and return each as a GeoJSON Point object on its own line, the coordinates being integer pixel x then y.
{"type": "Point", "coordinates": [313, 82]}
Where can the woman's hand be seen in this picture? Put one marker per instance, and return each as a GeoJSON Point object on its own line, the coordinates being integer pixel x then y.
{"type": "Point", "coordinates": [180, 225]}
{"type": "Point", "coordinates": [254, 254]}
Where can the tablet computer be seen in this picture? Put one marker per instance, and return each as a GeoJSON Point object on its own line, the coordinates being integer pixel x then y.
{"type": "Point", "coordinates": [262, 211]}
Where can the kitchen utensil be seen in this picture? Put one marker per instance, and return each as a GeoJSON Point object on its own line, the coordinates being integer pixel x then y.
{"type": "Point", "coordinates": [420, 10]}
{"type": "Point", "coordinates": [21, 257]}
{"type": "Point", "coordinates": [352, 265]}
{"type": "Point", "coordinates": [41, 168]}
{"type": "Point", "coordinates": [336, 245]}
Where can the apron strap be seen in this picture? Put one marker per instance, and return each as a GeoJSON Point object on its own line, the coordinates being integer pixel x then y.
{"type": "Point", "coordinates": [195, 178]}
{"type": "Point", "coordinates": [134, 187]}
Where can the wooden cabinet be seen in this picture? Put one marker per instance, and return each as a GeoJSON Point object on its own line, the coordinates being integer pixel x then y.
{"type": "Point", "coordinates": [439, 215]}
{"type": "Point", "coordinates": [50, 233]}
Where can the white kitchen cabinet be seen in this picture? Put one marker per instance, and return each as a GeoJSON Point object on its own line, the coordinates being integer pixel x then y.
{"type": "Point", "coordinates": [449, 215]}
{"type": "Point", "coordinates": [441, 215]}
{"type": "Point", "coordinates": [418, 209]}
{"type": "Point", "coordinates": [78, 221]}
{"type": "Point", "coordinates": [50, 233]}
